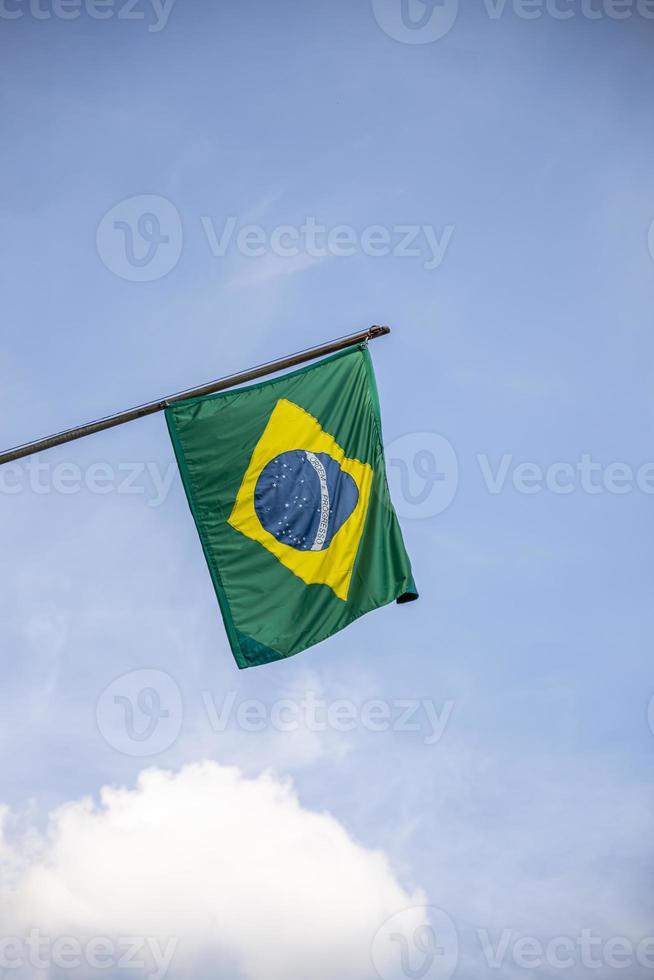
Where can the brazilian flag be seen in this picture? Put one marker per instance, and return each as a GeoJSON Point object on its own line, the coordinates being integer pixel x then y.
{"type": "Point", "coordinates": [287, 485]}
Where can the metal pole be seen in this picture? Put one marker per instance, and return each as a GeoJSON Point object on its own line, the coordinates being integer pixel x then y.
{"type": "Point", "coordinates": [151, 408]}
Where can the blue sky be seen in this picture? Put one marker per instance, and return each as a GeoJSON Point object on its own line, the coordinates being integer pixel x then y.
{"type": "Point", "coordinates": [524, 147]}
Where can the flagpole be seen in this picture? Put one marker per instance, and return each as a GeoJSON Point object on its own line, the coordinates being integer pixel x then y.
{"type": "Point", "coordinates": [151, 408]}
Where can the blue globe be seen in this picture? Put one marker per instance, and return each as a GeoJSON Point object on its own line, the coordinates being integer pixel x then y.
{"type": "Point", "coordinates": [304, 498]}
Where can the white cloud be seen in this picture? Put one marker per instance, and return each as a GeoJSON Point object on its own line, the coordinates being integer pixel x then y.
{"type": "Point", "coordinates": [234, 869]}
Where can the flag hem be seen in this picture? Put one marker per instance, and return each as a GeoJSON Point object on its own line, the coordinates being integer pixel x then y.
{"type": "Point", "coordinates": [271, 381]}
{"type": "Point", "coordinates": [216, 578]}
